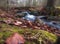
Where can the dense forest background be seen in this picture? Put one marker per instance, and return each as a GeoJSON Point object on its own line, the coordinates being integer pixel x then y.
{"type": "Point", "coordinates": [26, 3]}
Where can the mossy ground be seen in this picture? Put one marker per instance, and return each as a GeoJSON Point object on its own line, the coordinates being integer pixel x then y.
{"type": "Point", "coordinates": [7, 30]}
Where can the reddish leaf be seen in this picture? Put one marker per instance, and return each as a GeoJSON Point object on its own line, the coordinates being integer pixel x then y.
{"type": "Point", "coordinates": [15, 39]}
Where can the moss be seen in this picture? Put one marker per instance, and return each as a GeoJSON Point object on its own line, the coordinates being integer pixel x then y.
{"type": "Point", "coordinates": [48, 35]}
{"type": "Point", "coordinates": [8, 30]}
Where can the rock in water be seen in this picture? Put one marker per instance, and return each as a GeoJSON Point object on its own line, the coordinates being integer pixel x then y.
{"type": "Point", "coordinates": [15, 39]}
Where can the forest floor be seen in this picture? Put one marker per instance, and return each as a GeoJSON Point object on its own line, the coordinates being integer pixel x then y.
{"type": "Point", "coordinates": [7, 29]}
